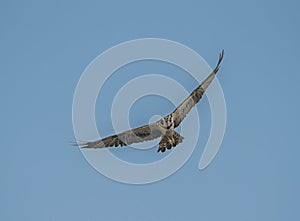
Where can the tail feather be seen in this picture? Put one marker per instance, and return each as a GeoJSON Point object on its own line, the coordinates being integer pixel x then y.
{"type": "Point", "coordinates": [167, 142]}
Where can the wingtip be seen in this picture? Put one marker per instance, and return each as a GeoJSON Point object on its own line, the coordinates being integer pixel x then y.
{"type": "Point", "coordinates": [79, 144]}
{"type": "Point", "coordinates": [221, 55]}
{"type": "Point", "coordinates": [73, 143]}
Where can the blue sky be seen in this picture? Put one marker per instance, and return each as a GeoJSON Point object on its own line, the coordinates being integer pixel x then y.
{"type": "Point", "coordinates": [45, 47]}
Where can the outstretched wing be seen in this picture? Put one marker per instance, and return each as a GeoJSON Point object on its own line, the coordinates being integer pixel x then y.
{"type": "Point", "coordinates": [184, 108]}
{"type": "Point", "coordinates": [137, 135]}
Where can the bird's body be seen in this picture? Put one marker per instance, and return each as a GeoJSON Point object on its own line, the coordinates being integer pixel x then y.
{"type": "Point", "coordinates": [164, 128]}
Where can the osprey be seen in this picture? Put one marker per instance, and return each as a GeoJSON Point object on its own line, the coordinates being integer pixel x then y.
{"type": "Point", "coordinates": [164, 128]}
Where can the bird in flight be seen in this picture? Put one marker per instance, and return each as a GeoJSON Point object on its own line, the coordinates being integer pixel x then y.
{"type": "Point", "coordinates": [163, 128]}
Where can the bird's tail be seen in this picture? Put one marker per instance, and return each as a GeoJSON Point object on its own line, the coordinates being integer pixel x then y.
{"type": "Point", "coordinates": [167, 142]}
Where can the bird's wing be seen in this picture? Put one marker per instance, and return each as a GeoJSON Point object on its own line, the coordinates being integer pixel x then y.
{"type": "Point", "coordinates": [184, 108]}
{"type": "Point", "coordinates": [137, 135]}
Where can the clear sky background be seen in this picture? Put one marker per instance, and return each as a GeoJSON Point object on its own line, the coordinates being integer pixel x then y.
{"type": "Point", "coordinates": [44, 48]}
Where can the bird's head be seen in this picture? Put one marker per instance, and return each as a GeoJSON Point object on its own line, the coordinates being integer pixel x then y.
{"type": "Point", "coordinates": [166, 122]}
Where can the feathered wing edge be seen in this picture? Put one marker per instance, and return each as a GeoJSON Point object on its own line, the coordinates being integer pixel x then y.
{"type": "Point", "coordinates": [184, 108]}
{"type": "Point", "coordinates": [221, 55]}
{"type": "Point", "coordinates": [137, 135]}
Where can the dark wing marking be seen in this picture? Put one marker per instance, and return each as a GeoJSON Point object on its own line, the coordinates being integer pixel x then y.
{"type": "Point", "coordinates": [137, 135]}
{"type": "Point", "coordinates": [184, 108]}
